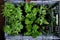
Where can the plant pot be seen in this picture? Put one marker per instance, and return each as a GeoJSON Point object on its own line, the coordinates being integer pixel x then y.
{"type": "Point", "coordinates": [22, 37]}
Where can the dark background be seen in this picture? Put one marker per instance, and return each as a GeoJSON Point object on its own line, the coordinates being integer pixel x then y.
{"type": "Point", "coordinates": [1, 21]}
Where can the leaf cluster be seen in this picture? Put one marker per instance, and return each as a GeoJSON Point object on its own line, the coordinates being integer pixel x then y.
{"type": "Point", "coordinates": [13, 16]}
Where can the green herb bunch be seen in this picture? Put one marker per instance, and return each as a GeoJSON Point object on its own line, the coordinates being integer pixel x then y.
{"type": "Point", "coordinates": [13, 16]}
{"type": "Point", "coordinates": [33, 18]}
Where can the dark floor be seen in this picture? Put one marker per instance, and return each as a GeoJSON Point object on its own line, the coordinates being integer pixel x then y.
{"type": "Point", "coordinates": [1, 21]}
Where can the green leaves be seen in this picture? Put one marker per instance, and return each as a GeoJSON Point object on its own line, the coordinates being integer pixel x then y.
{"type": "Point", "coordinates": [45, 21]}
{"type": "Point", "coordinates": [42, 13]}
{"type": "Point", "coordinates": [35, 27]}
{"type": "Point", "coordinates": [29, 27]}
{"type": "Point", "coordinates": [34, 11]}
{"type": "Point", "coordinates": [28, 7]}
{"type": "Point", "coordinates": [35, 30]}
{"type": "Point", "coordinates": [41, 21]}
{"type": "Point", "coordinates": [28, 30]}
{"type": "Point", "coordinates": [27, 21]}
{"type": "Point", "coordinates": [13, 17]}
{"type": "Point", "coordinates": [7, 27]}
{"type": "Point", "coordinates": [8, 8]}
{"type": "Point", "coordinates": [35, 34]}
{"type": "Point", "coordinates": [31, 19]}
{"type": "Point", "coordinates": [19, 14]}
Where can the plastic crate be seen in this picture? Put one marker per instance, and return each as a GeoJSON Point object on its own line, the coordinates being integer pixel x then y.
{"type": "Point", "coordinates": [56, 36]}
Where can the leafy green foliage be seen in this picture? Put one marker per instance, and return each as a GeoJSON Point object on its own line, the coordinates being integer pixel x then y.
{"type": "Point", "coordinates": [31, 18]}
{"type": "Point", "coordinates": [28, 28]}
{"type": "Point", "coordinates": [27, 21]}
{"type": "Point", "coordinates": [13, 17]}
{"type": "Point", "coordinates": [35, 31]}
{"type": "Point", "coordinates": [42, 12]}
{"type": "Point", "coordinates": [28, 7]}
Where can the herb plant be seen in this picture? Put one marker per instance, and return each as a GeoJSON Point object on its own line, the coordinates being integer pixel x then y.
{"type": "Point", "coordinates": [13, 20]}
{"type": "Point", "coordinates": [25, 17]}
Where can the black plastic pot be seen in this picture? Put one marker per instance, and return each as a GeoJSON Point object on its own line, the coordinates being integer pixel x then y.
{"type": "Point", "coordinates": [54, 5]}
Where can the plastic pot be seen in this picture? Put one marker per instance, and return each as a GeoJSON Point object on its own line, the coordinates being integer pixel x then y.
{"type": "Point", "coordinates": [42, 37]}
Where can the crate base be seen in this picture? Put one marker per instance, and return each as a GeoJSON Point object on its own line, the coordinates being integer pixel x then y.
{"type": "Point", "coordinates": [42, 37]}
